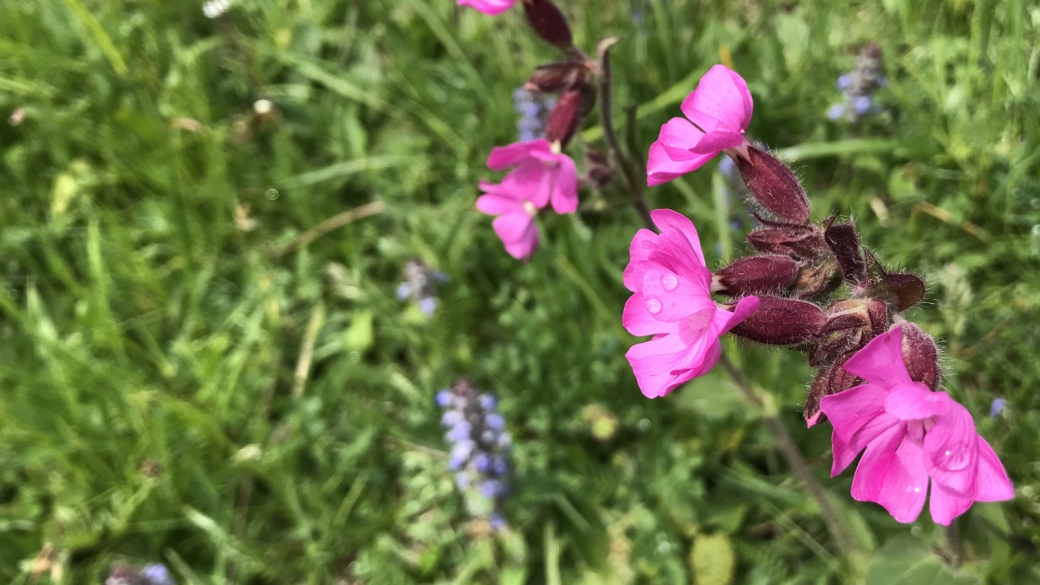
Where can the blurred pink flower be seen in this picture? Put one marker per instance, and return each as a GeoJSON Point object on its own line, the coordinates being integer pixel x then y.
{"type": "Point", "coordinates": [491, 7]}
{"type": "Point", "coordinates": [672, 302]}
{"type": "Point", "coordinates": [912, 436]}
{"type": "Point", "coordinates": [515, 224]}
{"type": "Point", "coordinates": [546, 174]}
{"type": "Point", "coordinates": [717, 113]}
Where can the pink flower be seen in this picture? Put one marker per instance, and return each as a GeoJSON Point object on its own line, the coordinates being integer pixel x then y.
{"type": "Point", "coordinates": [491, 7]}
{"type": "Point", "coordinates": [912, 437]}
{"type": "Point", "coordinates": [546, 174]}
{"type": "Point", "coordinates": [718, 112]}
{"type": "Point", "coordinates": [515, 222]}
{"type": "Point", "coordinates": [672, 302]}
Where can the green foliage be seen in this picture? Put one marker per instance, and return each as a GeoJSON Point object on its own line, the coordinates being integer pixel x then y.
{"type": "Point", "coordinates": [189, 376]}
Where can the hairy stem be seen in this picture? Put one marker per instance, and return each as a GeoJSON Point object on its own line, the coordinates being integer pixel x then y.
{"type": "Point", "coordinates": [799, 466]}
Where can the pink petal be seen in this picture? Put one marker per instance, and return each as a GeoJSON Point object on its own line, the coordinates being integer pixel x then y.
{"type": "Point", "coordinates": [526, 245]}
{"type": "Point", "coordinates": [565, 188]}
{"type": "Point", "coordinates": [638, 321]}
{"type": "Point", "coordinates": [851, 410]}
{"type": "Point", "coordinates": [947, 504]}
{"type": "Point", "coordinates": [702, 364]}
{"type": "Point", "coordinates": [654, 363]}
{"type": "Point", "coordinates": [675, 253]}
{"type": "Point", "coordinates": [914, 401]}
{"type": "Point", "coordinates": [883, 477]}
{"type": "Point", "coordinates": [668, 220]}
{"type": "Point", "coordinates": [726, 320]}
{"type": "Point", "coordinates": [952, 450]}
{"type": "Point", "coordinates": [512, 227]}
{"type": "Point", "coordinates": [660, 168]}
{"type": "Point", "coordinates": [881, 361]}
{"type": "Point", "coordinates": [489, 7]}
{"type": "Point", "coordinates": [503, 157]}
{"type": "Point", "coordinates": [678, 136]}
{"type": "Point", "coordinates": [721, 101]}
{"type": "Point", "coordinates": [493, 204]}
{"type": "Point", "coordinates": [992, 483]}
{"type": "Point", "coordinates": [906, 483]}
{"type": "Point", "coordinates": [638, 251]}
{"type": "Point", "coordinates": [673, 297]}
{"type": "Point", "coordinates": [843, 453]}
{"type": "Point", "coordinates": [715, 142]}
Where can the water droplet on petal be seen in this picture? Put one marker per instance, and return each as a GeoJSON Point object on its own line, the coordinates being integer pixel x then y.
{"type": "Point", "coordinates": [669, 281]}
{"type": "Point", "coordinates": [653, 304]}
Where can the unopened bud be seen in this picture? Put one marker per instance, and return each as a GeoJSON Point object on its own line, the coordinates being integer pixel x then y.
{"type": "Point", "coordinates": [755, 275]}
{"type": "Point", "coordinates": [920, 355]}
{"type": "Point", "coordinates": [902, 290]}
{"type": "Point", "coordinates": [548, 22]}
{"type": "Point", "coordinates": [773, 185]}
{"type": "Point", "coordinates": [844, 243]}
{"type": "Point", "coordinates": [803, 241]}
{"type": "Point", "coordinates": [780, 321]}
{"type": "Point", "coordinates": [830, 380]}
{"type": "Point", "coordinates": [817, 279]}
{"type": "Point", "coordinates": [555, 77]}
{"type": "Point", "coordinates": [564, 117]}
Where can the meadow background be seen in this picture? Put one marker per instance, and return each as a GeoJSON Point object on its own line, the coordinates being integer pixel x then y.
{"type": "Point", "coordinates": [189, 376]}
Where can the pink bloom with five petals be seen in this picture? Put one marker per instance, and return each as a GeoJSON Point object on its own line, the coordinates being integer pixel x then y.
{"type": "Point", "coordinates": [912, 437]}
{"type": "Point", "coordinates": [515, 224]}
{"type": "Point", "coordinates": [547, 174]}
{"type": "Point", "coordinates": [672, 302]}
{"type": "Point", "coordinates": [717, 113]}
{"type": "Point", "coordinates": [492, 7]}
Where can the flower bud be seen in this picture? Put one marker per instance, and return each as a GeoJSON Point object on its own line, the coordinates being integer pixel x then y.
{"type": "Point", "coordinates": [829, 380]}
{"type": "Point", "coordinates": [844, 243]}
{"type": "Point", "coordinates": [902, 290]}
{"type": "Point", "coordinates": [755, 275]}
{"type": "Point", "coordinates": [780, 321]}
{"type": "Point", "coordinates": [564, 117]}
{"type": "Point", "coordinates": [817, 279]}
{"type": "Point", "coordinates": [555, 77]}
{"type": "Point", "coordinates": [803, 241]}
{"type": "Point", "coordinates": [920, 356]}
{"type": "Point", "coordinates": [773, 185]}
{"type": "Point", "coordinates": [548, 22]}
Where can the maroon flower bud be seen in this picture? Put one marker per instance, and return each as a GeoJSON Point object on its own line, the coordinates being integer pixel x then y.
{"type": "Point", "coordinates": [878, 311]}
{"type": "Point", "coordinates": [773, 185]}
{"type": "Point", "coordinates": [780, 321]}
{"type": "Point", "coordinates": [548, 22]}
{"type": "Point", "coordinates": [847, 314]}
{"type": "Point", "coordinates": [564, 117]}
{"type": "Point", "coordinates": [844, 243]}
{"type": "Point", "coordinates": [851, 323]}
{"type": "Point", "coordinates": [902, 290]}
{"type": "Point", "coordinates": [920, 356]}
{"type": "Point", "coordinates": [555, 77]}
{"type": "Point", "coordinates": [755, 275]}
{"type": "Point", "coordinates": [829, 380]}
{"type": "Point", "coordinates": [817, 279]}
{"type": "Point", "coordinates": [803, 241]}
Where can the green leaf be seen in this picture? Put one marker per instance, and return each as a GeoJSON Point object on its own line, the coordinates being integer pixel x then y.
{"type": "Point", "coordinates": [905, 561]}
{"type": "Point", "coordinates": [712, 559]}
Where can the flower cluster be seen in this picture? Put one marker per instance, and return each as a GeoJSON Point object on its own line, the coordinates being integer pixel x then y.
{"type": "Point", "coordinates": [879, 389]}
{"type": "Point", "coordinates": [123, 574]}
{"type": "Point", "coordinates": [860, 85]}
{"type": "Point", "coordinates": [420, 285]}
{"type": "Point", "coordinates": [479, 448]}
{"type": "Point", "coordinates": [534, 111]}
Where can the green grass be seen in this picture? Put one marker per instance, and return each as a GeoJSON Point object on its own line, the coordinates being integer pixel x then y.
{"type": "Point", "coordinates": [150, 409]}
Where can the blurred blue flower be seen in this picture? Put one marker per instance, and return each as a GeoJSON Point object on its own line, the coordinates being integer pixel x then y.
{"type": "Point", "coordinates": [157, 575]}
{"type": "Point", "coordinates": [534, 111]}
{"type": "Point", "coordinates": [420, 285]}
{"type": "Point", "coordinates": [479, 446]}
{"type": "Point", "coordinates": [998, 407]}
{"type": "Point", "coordinates": [859, 86]}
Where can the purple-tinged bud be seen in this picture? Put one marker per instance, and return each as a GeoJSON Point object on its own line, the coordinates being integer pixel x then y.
{"type": "Point", "coordinates": [780, 321]}
{"type": "Point", "coordinates": [548, 22]}
{"type": "Point", "coordinates": [902, 290]}
{"type": "Point", "coordinates": [803, 241]}
{"type": "Point", "coordinates": [829, 380]}
{"type": "Point", "coordinates": [817, 279]}
{"type": "Point", "coordinates": [773, 185]}
{"type": "Point", "coordinates": [844, 243]}
{"type": "Point", "coordinates": [920, 355]}
{"type": "Point", "coordinates": [564, 117]}
{"type": "Point", "coordinates": [555, 77]}
{"type": "Point", "coordinates": [878, 311]}
{"type": "Point", "coordinates": [755, 275]}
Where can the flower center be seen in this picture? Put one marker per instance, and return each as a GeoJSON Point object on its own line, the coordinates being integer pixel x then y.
{"type": "Point", "coordinates": [530, 208]}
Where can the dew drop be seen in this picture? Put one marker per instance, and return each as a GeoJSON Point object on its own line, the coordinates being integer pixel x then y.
{"type": "Point", "coordinates": [669, 281]}
{"type": "Point", "coordinates": [653, 304]}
